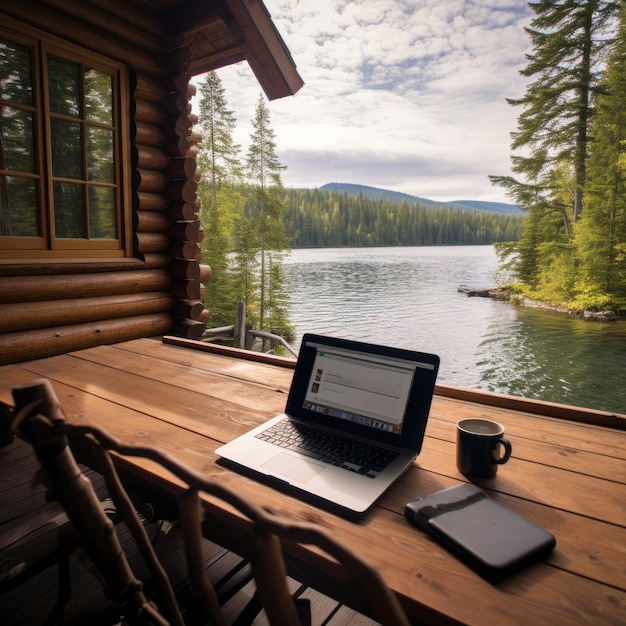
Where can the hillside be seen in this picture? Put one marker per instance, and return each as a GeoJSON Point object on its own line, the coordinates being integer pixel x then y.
{"type": "Point", "coordinates": [397, 196]}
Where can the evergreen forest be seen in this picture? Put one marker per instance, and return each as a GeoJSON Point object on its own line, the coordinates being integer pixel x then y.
{"type": "Point", "coordinates": [569, 158]}
{"type": "Point", "coordinates": [320, 219]}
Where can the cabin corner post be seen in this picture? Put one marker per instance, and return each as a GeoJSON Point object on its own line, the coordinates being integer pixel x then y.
{"type": "Point", "coordinates": [184, 232]}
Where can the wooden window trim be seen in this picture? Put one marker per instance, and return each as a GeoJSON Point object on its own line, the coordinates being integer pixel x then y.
{"type": "Point", "coordinates": [47, 246]}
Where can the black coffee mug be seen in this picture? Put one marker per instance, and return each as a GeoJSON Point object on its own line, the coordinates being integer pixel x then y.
{"type": "Point", "coordinates": [481, 447]}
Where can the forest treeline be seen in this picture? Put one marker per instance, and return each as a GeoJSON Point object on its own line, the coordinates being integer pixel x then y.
{"type": "Point", "coordinates": [315, 218]}
{"type": "Point", "coordinates": [569, 158]}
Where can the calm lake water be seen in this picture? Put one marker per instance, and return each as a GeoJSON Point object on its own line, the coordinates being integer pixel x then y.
{"type": "Point", "coordinates": [409, 297]}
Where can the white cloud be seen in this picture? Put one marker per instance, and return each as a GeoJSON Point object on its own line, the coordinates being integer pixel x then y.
{"type": "Point", "coordinates": [402, 94]}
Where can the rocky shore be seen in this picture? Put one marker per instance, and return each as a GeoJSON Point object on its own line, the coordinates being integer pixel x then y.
{"type": "Point", "coordinates": [502, 293]}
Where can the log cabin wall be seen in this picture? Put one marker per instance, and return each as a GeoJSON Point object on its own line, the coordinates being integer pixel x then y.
{"type": "Point", "coordinates": [52, 308]}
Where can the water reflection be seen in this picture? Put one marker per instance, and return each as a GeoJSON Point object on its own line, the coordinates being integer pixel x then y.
{"type": "Point", "coordinates": [409, 297]}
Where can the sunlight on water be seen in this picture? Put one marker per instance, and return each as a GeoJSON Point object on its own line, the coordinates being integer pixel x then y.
{"type": "Point", "coordinates": [409, 297]}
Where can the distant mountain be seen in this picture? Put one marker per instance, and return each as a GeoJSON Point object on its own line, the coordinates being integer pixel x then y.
{"type": "Point", "coordinates": [397, 196]}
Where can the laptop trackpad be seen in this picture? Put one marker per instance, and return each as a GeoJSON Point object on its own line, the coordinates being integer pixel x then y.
{"type": "Point", "coordinates": [295, 469]}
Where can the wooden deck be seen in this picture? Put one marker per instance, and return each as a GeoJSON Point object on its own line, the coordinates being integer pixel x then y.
{"type": "Point", "coordinates": [568, 474]}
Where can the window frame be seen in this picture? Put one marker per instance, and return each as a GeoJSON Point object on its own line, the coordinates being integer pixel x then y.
{"type": "Point", "coordinates": [47, 245]}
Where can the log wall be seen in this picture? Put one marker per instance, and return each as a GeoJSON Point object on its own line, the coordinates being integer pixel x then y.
{"type": "Point", "coordinates": [52, 308]}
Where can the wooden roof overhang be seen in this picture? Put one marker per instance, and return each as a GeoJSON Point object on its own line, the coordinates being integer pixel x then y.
{"type": "Point", "coordinates": [222, 32]}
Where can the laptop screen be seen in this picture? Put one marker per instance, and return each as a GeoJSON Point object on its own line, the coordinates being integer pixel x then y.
{"type": "Point", "coordinates": [373, 391]}
{"type": "Point", "coordinates": [368, 389]}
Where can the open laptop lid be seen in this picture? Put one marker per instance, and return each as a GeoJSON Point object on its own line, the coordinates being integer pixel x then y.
{"type": "Point", "coordinates": [373, 391]}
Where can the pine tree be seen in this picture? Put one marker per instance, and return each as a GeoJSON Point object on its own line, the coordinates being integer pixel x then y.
{"type": "Point", "coordinates": [221, 203]}
{"type": "Point", "coordinates": [601, 232]}
{"type": "Point", "coordinates": [569, 39]}
{"type": "Point", "coordinates": [266, 208]}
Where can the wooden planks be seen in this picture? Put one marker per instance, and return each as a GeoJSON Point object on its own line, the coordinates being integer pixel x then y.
{"type": "Point", "coordinates": [568, 477]}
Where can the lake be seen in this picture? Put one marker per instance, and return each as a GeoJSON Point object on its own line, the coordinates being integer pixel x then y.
{"type": "Point", "coordinates": [409, 297]}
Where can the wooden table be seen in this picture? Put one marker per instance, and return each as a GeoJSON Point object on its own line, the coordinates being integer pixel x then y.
{"type": "Point", "coordinates": [569, 477]}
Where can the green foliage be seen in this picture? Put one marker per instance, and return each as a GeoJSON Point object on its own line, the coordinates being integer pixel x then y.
{"type": "Point", "coordinates": [573, 133]}
{"type": "Point", "coordinates": [601, 233]}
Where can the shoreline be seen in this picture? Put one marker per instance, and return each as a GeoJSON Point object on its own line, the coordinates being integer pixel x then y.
{"type": "Point", "coordinates": [503, 293]}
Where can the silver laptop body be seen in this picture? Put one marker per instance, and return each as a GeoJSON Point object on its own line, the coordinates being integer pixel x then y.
{"type": "Point", "coordinates": [364, 394]}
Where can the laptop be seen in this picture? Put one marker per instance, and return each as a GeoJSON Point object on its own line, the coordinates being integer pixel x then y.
{"type": "Point", "coordinates": [354, 423]}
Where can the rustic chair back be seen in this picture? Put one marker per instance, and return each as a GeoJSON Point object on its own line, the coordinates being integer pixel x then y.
{"type": "Point", "coordinates": [40, 420]}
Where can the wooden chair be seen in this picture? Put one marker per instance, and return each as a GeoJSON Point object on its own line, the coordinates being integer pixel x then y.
{"type": "Point", "coordinates": [40, 420]}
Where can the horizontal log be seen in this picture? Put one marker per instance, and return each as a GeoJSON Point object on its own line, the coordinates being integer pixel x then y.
{"type": "Point", "coordinates": [188, 329]}
{"type": "Point", "coordinates": [184, 231]}
{"type": "Point", "coordinates": [179, 146]}
{"type": "Point", "coordinates": [183, 211]}
{"type": "Point", "coordinates": [181, 190]}
{"type": "Point", "coordinates": [33, 267]}
{"type": "Point", "coordinates": [15, 317]}
{"type": "Point", "coordinates": [37, 344]}
{"type": "Point", "coordinates": [178, 83]}
{"type": "Point", "coordinates": [150, 181]}
{"type": "Point", "coordinates": [196, 137]}
{"type": "Point", "coordinates": [148, 87]}
{"type": "Point", "coordinates": [188, 309]}
{"type": "Point", "coordinates": [149, 134]}
{"type": "Point", "coordinates": [197, 175]}
{"type": "Point", "coordinates": [205, 316]}
{"type": "Point", "coordinates": [186, 289]}
{"type": "Point", "coordinates": [185, 268]}
{"type": "Point", "coordinates": [177, 104]}
{"type": "Point", "coordinates": [57, 287]}
{"type": "Point", "coordinates": [107, 19]}
{"type": "Point", "coordinates": [76, 31]}
{"type": "Point", "coordinates": [149, 112]}
{"type": "Point", "coordinates": [181, 167]}
{"type": "Point", "coordinates": [152, 222]}
{"type": "Point", "coordinates": [179, 125]}
{"type": "Point", "coordinates": [150, 157]}
{"type": "Point", "coordinates": [140, 19]}
{"type": "Point", "coordinates": [156, 260]}
{"type": "Point", "coordinates": [148, 201]}
{"type": "Point", "coordinates": [152, 242]}
{"type": "Point", "coordinates": [205, 273]}
{"type": "Point", "coordinates": [184, 250]}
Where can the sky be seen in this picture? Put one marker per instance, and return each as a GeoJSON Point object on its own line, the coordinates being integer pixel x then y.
{"type": "Point", "coordinates": [406, 95]}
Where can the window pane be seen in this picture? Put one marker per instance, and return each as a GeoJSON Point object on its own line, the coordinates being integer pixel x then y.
{"type": "Point", "coordinates": [100, 155]}
{"type": "Point", "coordinates": [15, 78]}
{"type": "Point", "coordinates": [16, 133]}
{"type": "Point", "coordinates": [102, 213]}
{"type": "Point", "coordinates": [69, 211]}
{"type": "Point", "coordinates": [98, 97]}
{"type": "Point", "coordinates": [64, 86]}
{"type": "Point", "coordinates": [18, 207]}
{"type": "Point", "coordinates": [67, 159]}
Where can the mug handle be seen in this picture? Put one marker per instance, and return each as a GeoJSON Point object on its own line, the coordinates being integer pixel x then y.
{"type": "Point", "coordinates": [507, 451]}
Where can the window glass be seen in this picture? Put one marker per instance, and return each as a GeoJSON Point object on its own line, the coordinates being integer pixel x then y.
{"type": "Point", "coordinates": [16, 134]}
{"type": "Point", "coordinates": [66, 149]}
{"type": "Point", "coordinates": [100, 163]}
{"type": "Point", "coordinates": [98, 96]}
{"type": "Point", "coordinates": [63, 86]}
{"type": "Point", "coordinates": [102, 213]}
{"type": "Point", "coordinates": [19, 216]}
{"type": "Point", "coordinates": [69, 211]}
{"type": "Point", "coordinates": [15, 73]}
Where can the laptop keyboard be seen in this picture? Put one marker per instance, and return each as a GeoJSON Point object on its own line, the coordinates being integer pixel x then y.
{"type": "Point", "coordinates": [344, 452]}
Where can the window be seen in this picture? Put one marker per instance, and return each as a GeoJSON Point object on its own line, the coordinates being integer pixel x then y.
{"type": "Point", "coordinates": [61, 157]}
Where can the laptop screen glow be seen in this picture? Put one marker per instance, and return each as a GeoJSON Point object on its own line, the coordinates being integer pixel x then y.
{"type": "Point", "coordinates": [366, 389]}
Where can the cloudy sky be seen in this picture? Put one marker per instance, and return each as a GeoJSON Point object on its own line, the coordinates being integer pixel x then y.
{"type": "Point", "coordinates": [407, 95]}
